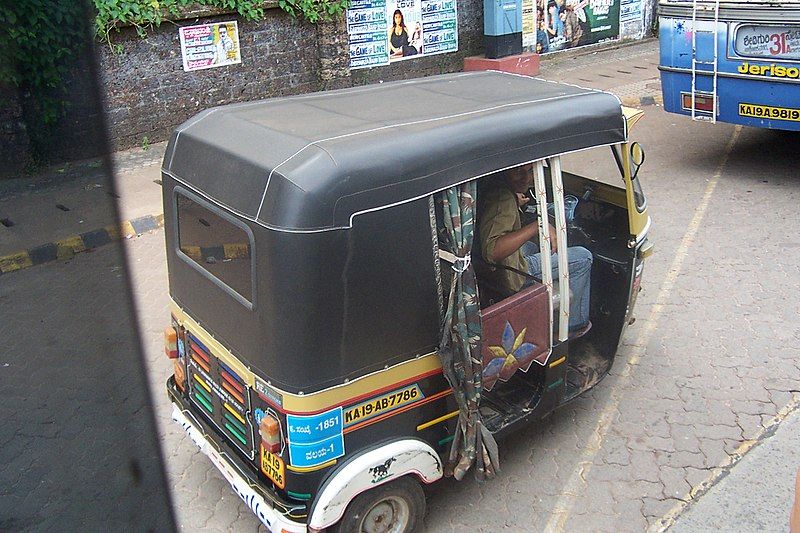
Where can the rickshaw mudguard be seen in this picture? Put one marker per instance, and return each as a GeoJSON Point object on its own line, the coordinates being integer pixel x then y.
{"type": "Point", "coordinates": [372, 467]}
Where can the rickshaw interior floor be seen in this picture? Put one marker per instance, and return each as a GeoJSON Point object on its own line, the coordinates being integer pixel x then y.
{"type": "Point", "coordinates": [587, 366]}
{"type": "Point", "coordinates": [513, 400]}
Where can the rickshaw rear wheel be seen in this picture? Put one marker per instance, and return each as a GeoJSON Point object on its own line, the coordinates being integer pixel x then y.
{"type": "Point", "coordinates": [396, 507]}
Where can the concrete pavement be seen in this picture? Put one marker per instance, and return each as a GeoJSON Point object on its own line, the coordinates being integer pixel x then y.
{"type": "Point", "coordinates": [763, 480]}
{"type": "Point", "coordinates": [65, 211]}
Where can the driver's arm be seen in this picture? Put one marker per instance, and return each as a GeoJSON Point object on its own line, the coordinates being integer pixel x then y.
{"type": "Point", "coordinates": [498, 237]}
{"type": "Point", "coordinates": [509, 243]}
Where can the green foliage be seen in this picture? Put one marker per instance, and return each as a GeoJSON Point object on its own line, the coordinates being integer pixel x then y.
{"type": "Point", "coordinates": [314, 10]}
{"type": "Point", "coordinates": [146, 14]}
{"type": "Point", "coordinates": [37, 40]}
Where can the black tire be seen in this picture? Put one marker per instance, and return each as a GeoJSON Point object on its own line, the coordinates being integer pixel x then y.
{"type": "Point", "coordinates": [379, 509]}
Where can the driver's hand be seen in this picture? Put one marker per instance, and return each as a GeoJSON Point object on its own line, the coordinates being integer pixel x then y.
{"type": "Point", "coordinates": [522, 199]}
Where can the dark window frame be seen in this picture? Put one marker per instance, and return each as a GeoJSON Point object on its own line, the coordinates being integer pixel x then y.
{"type": "Point", "coordinates": [216, 210]}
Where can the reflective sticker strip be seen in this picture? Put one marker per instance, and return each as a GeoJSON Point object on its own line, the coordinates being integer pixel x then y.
{"type": "Point", "coordinates": [234, 413]}
{"type": "Point", "coordinates": [557, 362]}
{"type": "Point", "coordinates": [201, 363]}
{"type": "Point", "coordinates": [233, 392]}
{"type": "Point", "coordinates": [201, 382]}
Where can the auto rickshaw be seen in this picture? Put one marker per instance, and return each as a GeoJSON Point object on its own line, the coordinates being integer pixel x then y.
{"type": "Point", "coordinates": [335, 344]}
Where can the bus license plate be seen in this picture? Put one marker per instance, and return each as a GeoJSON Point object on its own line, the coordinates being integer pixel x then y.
{"type": "Point", "coordinates": [764, 111]}
{"type": "Point", "coordinates": [273, 467]}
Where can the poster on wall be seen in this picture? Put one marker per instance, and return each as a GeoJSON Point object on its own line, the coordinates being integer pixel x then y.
{"type": "Point", "coordinates": [562, 24]}
{"type": "Point", "coordinates": [529, 23]}
{"type": "Point", "coordinates": [630, 18]}
{"type": "Point", "coordinates": [381, 32]}
{"type": "Point", "coordinates": [366, 27]}
{"type": "Point", "coordinates": [210, 45]}
{"type": "Point", "coordinates": [404, 19]}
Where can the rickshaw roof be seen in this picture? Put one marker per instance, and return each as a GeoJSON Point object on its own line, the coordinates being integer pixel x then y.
{"type": "Point", "coordinates": [312, 162]}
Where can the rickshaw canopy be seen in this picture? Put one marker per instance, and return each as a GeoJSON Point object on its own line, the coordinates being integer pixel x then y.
{"type": "Point", "coordinates": [312, 162]}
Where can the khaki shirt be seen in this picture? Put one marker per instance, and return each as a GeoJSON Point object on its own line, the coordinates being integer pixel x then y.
{"type": "Point", "coordinates": [499, 215]}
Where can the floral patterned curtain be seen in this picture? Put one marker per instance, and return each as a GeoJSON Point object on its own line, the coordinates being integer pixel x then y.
{"type": "Point", "coordinates": [461, 334]}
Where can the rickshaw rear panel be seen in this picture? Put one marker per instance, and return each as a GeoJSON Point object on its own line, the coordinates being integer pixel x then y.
{"type": "Point", "coordinates": [333, 293]}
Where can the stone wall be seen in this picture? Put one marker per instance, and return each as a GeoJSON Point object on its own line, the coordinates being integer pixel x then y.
{"type": "Point", "coordinates": [147, 93]}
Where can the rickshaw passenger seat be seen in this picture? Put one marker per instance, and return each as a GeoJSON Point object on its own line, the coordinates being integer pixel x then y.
{"type": "Point", "coordinates": [526, 313]}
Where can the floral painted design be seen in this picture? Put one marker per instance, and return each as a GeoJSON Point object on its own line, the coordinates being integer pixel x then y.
{"type": "Point", "coordinates": [508, 357]}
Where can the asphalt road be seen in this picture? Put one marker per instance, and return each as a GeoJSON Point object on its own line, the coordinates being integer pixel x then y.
{"type": "Point", "coordinates": [705, 374]}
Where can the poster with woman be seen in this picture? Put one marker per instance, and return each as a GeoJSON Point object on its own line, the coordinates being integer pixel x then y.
{"type": "Point", "coordinates": [381, 32]}
{"type": "Point", "coordinates": [405, 28]}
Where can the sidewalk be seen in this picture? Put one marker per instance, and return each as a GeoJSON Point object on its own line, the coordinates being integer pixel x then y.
{"type": "Point", "coordinates": [755, 496]}
{"type": "Point", "coordinates": [67, 210]}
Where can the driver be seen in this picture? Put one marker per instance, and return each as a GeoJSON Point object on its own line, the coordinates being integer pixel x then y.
{"type": "Point", "coordinates": [506, 242]}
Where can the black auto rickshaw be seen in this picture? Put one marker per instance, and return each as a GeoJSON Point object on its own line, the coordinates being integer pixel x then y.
{"type": "Point", "coordinates": [331, 348]}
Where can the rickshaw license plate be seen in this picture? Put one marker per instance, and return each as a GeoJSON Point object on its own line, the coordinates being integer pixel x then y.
{"type": "Point", "coordinates": [273, 467]}
{"type": "Point", "coordinates": [765, 111]}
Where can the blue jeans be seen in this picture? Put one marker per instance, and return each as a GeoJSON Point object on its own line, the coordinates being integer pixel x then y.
{"type": "Point", "coordinates": [580, 273]}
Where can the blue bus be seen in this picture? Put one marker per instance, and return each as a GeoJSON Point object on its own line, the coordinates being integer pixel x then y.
{"type": "Point", "coordinates": [732, 61]}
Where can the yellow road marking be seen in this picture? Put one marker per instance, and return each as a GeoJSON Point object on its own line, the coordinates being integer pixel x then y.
{"type": "Point", "coordinates": [13, 262]}
{"type": "Point", "coordinates": [577, 480]}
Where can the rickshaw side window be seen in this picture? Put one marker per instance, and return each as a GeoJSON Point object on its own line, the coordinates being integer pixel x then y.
{"type": "Point", "coordinates": [598, 163]}
{"type": "Point", "coordinates": [216, 245]}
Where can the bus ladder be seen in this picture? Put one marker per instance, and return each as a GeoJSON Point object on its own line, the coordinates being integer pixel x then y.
{"type": "Point", "coordinates": [699, 5]}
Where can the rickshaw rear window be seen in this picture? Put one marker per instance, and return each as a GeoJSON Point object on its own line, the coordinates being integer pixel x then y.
{"type": "Point", "coordinates": [216, 245]}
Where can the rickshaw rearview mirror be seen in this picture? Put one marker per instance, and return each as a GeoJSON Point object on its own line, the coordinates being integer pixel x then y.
{"type": "Point", "coordinates": [637, 158]}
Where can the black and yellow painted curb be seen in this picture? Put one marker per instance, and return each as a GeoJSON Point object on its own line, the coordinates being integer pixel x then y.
{"type": "Point", "coordinates": [212, 254]}
{"type": "Point", "coordinates": [642, 101]}
{"type": "Point", "coordinates": [66, 248]}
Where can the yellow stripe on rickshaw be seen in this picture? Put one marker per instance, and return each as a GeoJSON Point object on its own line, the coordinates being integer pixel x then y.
{"type": "Point", "coordinates": [557, 362]}
{"type": "Point", "coordinates": [426, 425]}
{"type": "Point", "coordinates": [302, 469]}
{"type": "Point", "coordinates": [319, 401]}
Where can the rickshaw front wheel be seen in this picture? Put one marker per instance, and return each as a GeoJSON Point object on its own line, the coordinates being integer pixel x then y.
{"type": "Point", "coordinates": [396, 507]}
